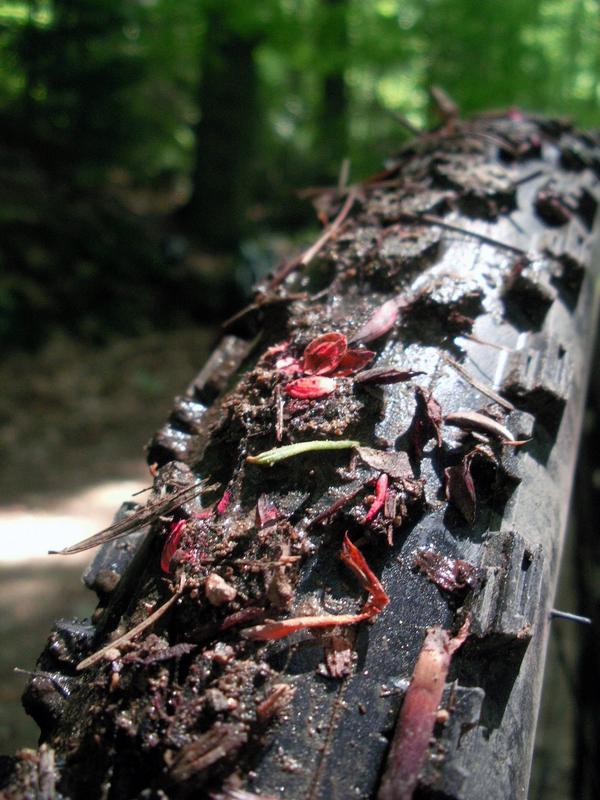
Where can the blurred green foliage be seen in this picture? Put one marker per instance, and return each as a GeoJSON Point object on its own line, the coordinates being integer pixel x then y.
{"type": "Point", "coordinates": [126, 124]}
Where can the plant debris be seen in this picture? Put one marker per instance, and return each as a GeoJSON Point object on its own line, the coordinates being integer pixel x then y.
{"type": "Point", "coordinates": [453, 575]}
{"type": "Point", "coordinates": [395, 464]}
{"type": "Point", "coordinates": [269, 457]}
{"type": "Point", "coordinates": [427, 422]}
{"type": "Point", "coordinates": [353, 558]}
{"type": "Point", "coordinates": [379, 323]}
{"type": "Point", "coordinates": [460, 488]}
{"type": "Point", "coordinates": [385, 375]}
{"type": "Point", "coordinates": [417, 717]}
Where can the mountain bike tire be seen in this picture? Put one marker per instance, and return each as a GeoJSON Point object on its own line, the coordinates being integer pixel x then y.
{"type": "Point", "coordinates": [467, 267]}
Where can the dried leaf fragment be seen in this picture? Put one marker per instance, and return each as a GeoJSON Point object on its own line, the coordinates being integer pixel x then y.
{"type": "Point", "coordinates": [279, 697]}
{"type": "Point", "coordinates": [223, 739]}
{"type": "Point", "coordinates": [353, 361]}
{"type": "Point", "coordinates": [474, 421]}
{"type": "Point", "coordinates": [395, 464]}
{"type": "Point", "coordinates": [380, 493]}
{"type": "Point", "coordinates": [223, 503]}
{"type": "Point", "coordinates": [427, 422]}
{"type": "Point", "coordinates": [451, 574]}
{"type": "Point", "coordinates": [171, 545]}
{"type": "Point", "coordinates": [266, 511]}
{"type": "Point", "coordinates": [354, 560]}
{"type": "Point", "coordinates": [460, 488]}
{"type": "Point", "coordinates": [385, 375]}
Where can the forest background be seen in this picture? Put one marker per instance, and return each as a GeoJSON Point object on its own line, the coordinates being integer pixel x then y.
{"type": "Point", "coordinates": [153, 161]}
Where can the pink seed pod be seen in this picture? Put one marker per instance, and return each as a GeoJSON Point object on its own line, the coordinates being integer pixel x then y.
{"type": "Point", "coordinates": [310, 388]}
{"type": "Point", "coordinates": [324, 354]}
{"type": "Point", "coordinates": [381, 321]}
{"type": "Point", "coordinates": [353, 361]}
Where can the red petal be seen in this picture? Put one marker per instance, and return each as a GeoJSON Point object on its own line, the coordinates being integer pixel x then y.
{"type": "Point", "coordinates": [224, 502]}
{"type": "Point", "coordinates": [353, 361]}
{"type": "Point", "coordinates": [324, 353]}
{"type": "Point", "coordinates": [354, 560]}
{"type": "Point", "coordinates": [310, 388]}
{"type": "Point", "coordinates": [172, 544]}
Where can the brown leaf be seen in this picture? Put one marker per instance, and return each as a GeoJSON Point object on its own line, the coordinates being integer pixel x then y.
{"type": "Point", "coordinates": [395, 464]}
{"type": "Point", "coordinates": [427, 422]}
{"type": "Point", "coordinates": [460, 489]}
{"type": "Point", "coordinates": [385, 375]}
{"type": "Point", "coordinates": [451, 574]}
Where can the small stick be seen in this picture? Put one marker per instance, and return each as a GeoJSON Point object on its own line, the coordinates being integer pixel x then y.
{"type": "Point", "coordinates": [428, 219]}
{"type": "Point", "coordinates": [477, 340]}
{"type": "Point", "coordinates": [529, 177]}
{"type": "Point", "coordinates": [335, 507]}
{"type": "Point", "coordinates": [481, 387]}
{"type": "Point", "coordinates": [279, 408]}
{"type": "Point", "coordinates": [129, 635]}
{"type": "Point", "coordinates": [343, 176]}
{"type": "Point", "coordinates": [556, 614]}
{"type": "Point", "coordinates": [312, 251]}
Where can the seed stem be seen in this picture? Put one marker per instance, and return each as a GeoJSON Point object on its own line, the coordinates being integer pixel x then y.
{"type": "Point", "coordinates": [287, 451]}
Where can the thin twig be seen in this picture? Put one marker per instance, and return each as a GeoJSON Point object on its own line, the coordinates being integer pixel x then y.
{"type": "Point", "coordinates": [131, 634]}
{"type": "Point", "coordinates": [301, 261]}
{"type": "Point", "coordinates": [481, 387]}
{"type": "Point", "coordinates": [529, 177]}
{"type": "Point", "coordinates": [428, 219]}
{"type": "Point", "coordinates": [344, 175]}
{"type": "Point", "coordinates": [486, 343]}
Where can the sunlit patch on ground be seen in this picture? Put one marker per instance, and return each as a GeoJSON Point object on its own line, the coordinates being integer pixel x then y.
{"type": "Point", "coordinates": [29, 534]}
{"type": "Point", "coordinates": [36, 589]}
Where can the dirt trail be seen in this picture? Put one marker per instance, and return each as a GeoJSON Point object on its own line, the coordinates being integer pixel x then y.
{"type": "Point", "coordinates": [36, 589]}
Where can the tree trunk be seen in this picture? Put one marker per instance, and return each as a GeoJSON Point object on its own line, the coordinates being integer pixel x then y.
{"type": "Point", "coordinates": [332, 123]}
{"type": "Point", "coordinates": [215, 215]}
{"type": "Point", "coordinates": [464, 271]}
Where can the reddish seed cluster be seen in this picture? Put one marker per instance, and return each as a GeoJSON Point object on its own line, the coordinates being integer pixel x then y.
{"type": "Point", "coordinates": [324, 359]}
